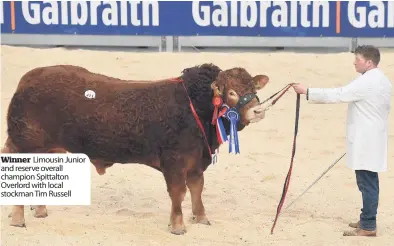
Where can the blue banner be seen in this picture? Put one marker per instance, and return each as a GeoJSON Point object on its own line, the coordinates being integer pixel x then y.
{"type": "Point", "coordinates": [203, 18]}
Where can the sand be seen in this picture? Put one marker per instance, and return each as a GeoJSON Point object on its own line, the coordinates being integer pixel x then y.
{"type": "Point", "coordinates": [130, 204]}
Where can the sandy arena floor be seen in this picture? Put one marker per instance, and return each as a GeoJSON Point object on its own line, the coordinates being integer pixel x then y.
{"type": "Point", "coordinates": [130, 204]}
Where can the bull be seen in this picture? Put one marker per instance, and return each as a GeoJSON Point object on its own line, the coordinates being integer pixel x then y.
{"type": "Point", "coordinates": [165, 124]}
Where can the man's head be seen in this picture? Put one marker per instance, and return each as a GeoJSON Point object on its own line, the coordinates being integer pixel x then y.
{"type": "Point", "coordinates": [238, 89]}
{"type": "Point", "coordinates": [366, 57]}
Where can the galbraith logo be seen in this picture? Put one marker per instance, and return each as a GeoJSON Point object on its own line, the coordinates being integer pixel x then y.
{"type": "Point", "coordinates": [84, 13]}
{"type": "Point", "coordinates": [376, 17]}
{"type": "Point", "coordinates": [255, 14]}
{"type": "Point", "coordinates": [249, 14]}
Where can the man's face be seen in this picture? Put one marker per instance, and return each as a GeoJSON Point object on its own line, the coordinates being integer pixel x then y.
{"type": "Point", "coordinates": [361, 64]}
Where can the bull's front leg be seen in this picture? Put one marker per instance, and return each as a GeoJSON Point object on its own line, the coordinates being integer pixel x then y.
{"type": "Point", "coordinates": [176, 186]}
{"type": "Point", "coordinates": [18, 216]}
{"type": "Point", "coordinates": [195, 183]}
{"type": "Point", "coordinates": [40, 211]}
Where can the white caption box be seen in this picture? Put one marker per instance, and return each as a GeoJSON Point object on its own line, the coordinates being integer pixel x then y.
{"type": "Point", "coordinates": [45, 179]}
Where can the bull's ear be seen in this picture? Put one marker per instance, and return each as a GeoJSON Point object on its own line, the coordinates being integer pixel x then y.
{"type": "Point", "coordinates": [260, 81]}
{"type": "Point", "coordinates": [215, 88]}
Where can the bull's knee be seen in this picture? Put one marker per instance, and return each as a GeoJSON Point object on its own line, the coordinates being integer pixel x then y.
{"type": "Point", "coordinates": [18, 216]}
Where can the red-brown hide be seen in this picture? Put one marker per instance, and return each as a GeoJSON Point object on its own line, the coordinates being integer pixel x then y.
{"type": "Point", "coordinates": [142, 122]}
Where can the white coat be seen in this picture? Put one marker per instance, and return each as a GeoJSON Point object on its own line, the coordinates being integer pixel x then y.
{"type": "Point", "coordinates": [368, 97]}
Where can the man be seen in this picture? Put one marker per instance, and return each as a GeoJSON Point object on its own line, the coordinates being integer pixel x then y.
{"type": "Point", "coordinates": [368, 98]}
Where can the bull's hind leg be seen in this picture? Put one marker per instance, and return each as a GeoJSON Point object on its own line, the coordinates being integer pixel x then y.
{"type": "Point", "coordinates": [18, 211]}
{"type": "Point", "coordinates": [176, 187]}
{"type": "Point", "coordinates": [40, 211]}
{"type": "Point", "coordinates": [28, 137]}
{"type": "Point", "coordinates": [195, 183]}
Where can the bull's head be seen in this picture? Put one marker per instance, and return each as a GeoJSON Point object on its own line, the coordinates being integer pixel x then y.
{"type": "Point", "coordinates": [238, 90]}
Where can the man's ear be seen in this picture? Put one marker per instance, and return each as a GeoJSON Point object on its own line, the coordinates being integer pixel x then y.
{"type": "Point", "coordinates": [260, 81]}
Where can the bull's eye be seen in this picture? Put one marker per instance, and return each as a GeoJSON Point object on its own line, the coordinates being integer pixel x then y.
{"type": "Point", "coordinates": [232, 93]}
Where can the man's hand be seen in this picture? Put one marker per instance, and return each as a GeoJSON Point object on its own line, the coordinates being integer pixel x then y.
{"type": "Point", "coordinates": [299, 88]}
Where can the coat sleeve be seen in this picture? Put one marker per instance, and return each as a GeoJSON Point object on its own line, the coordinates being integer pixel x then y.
{"type": "Point", "coordinates": [354, 91]}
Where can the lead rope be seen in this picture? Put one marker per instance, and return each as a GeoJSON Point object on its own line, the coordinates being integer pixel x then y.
{"type": "Point", "coordinates": [283, 90]}
{"type": "Point", "coordinates": [287, 180]}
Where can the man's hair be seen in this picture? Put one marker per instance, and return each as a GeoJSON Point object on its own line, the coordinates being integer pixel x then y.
{"type": "Point", "coordinates": [369, 52]}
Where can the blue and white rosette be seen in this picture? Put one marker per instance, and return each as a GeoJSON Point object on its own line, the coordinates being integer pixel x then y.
{"type": "Point", "coordinates": [233, 116]}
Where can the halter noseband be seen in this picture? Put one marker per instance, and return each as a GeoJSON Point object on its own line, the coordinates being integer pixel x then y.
{"type": "Point", "coordinates": [245, 99]}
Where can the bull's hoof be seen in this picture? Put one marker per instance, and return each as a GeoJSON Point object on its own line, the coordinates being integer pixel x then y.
{"type": "Point", "coordinates": [201, 220]}
{"type": "Point", "coordinates": [178, 231]}
{"type": "Point", "coordinates": [18, 223]}
{"type": "Point", "coordinates": [204, 222]}
{"type": "Point", "coordinates": [23, 225]}
{"type": "Point", "coordinates": [40, 213]}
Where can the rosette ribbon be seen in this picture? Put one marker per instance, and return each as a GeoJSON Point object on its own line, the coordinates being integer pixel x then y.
{"type": "Point", "coordinates": [220, 130]}
{"type": "Point", "coordinates": [233, 116]}
{"type": "Point", "coordinates": [217, 101]}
